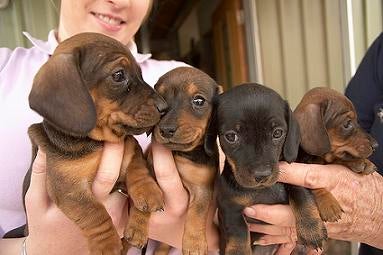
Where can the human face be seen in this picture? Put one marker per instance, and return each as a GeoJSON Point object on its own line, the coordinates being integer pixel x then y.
{"type": "Point", "coordinates": [119, 19]}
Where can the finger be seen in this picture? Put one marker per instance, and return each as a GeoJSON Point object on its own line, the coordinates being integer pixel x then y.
{"type": "Point", "coordinates": [314, 252]}
{"type": "Point", "coordinates": [285, 249]}
{"type": "Point", "coordinates": [37, 192]}
{"type": "Point", "coordinates": [280, 215]}
{"type": "Point", "coordinates": [272, 229]}
{"type": "Point", "coordinates": [116, 204]}
{"type": "Point", "coordinates": [309, 175]}
{"type": "Point", "coordinates": [168, 177]}
{"type": "Point", "coordinates": [279, 239]}
{"type": "Point", "coordinates": [108, 170]}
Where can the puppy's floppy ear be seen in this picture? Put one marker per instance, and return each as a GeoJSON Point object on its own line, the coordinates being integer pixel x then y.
{"type": "Point", "coordinates": [60, 96]}
{"type": "Point", "coordinates": [310, 117]}
{"type": "Point", "coordinates": [210, 143]}
{"type": "Point", "coordinates": [293, 137]}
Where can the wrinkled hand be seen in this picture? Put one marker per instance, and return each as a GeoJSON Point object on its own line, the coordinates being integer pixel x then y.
{"type": "Point", "coordinates": [50, 231]}
{"type": "Point", "coordinates": [168, 226]}
{"type": "Point", "coordinates": [360, 197]}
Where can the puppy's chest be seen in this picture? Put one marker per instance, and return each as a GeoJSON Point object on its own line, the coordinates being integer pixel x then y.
{"type": "Point", "coordinates": [194, 172]}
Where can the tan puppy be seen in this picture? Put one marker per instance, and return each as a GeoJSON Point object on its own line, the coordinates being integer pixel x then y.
{"type": "Point", "coordinates": [189, 94]}
{"type": "Point", "coordinates": [331, 134]}
{"type": "Point", "coordinates": [90, 91]}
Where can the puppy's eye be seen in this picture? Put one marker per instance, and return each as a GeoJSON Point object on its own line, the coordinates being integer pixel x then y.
{"type": "Point", "coordinates": [277, 133]}
{"type": "Point", "coordinates": [199, 101]}
{"type": "Point", "coordinates": [348, 125]}
{"type": "Point", "coordinates": [231, 137]}
{"type": "Point", "coordinates": [119, 76]}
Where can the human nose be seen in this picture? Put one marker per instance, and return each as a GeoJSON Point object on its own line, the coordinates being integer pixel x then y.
{"type": "Point", "coordinates": [120, 3]}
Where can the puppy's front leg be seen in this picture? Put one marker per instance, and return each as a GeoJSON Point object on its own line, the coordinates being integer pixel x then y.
{"type": "Point", "coordinates": [234, 233]}
{"type": "Point", "coordinates": [194, 237]}
{"type": "Point", "coordinates": [142, 188]}
{"type": "Point", "coordinates": [136, 233]}
{"type": "Point", "coordinates": [311, 230]}
{"type": "Point", "coordinates": [144, 191]}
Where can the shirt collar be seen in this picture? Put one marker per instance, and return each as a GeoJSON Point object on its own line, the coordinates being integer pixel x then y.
{"type": "Point", "coordinates": [50, 45]}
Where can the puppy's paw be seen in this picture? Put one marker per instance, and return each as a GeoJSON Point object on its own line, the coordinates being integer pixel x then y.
{"type": "Point", "coordinates": [363, 166]}
{"type": "Point", "coordinates": [328, 207]}
{"type": "Point", "coordinates": [332, 213]}
{"type": "Point", "coordinates": [194, 245]}
{"type": "Point", "coordinates": [148, 197]}
{"type": "Point", "coordinates": [313, 233]}
{"type": "Point", "coordinates": [108, 246]}
{"type": "Point", "coordinates": [136, 235]}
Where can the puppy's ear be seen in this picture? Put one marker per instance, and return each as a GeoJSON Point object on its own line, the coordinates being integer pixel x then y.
{"type": "Point", "coordinates": [293, 137]}
{"type": "Point", "coordinates": [210, 143]}
{"type": "Point", "coordinates": [60, 96]}
{"type": "Point", "coordinates": [310, 117]}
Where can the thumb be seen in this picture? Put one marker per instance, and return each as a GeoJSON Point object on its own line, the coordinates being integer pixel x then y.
{"type": "Point", "coordinates": [168, 177]}
{"type": "Point", "coordinates": [37, 195]}
{"type": "Point", "coordinates": [312, 176]}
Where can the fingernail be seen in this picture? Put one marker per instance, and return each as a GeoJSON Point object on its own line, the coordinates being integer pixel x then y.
{"type": "Point", "coordinates": [259, 242]}
{"type": "Point", "coordinates": [249, 211]}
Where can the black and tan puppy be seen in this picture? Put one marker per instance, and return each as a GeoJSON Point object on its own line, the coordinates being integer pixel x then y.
{"type": "Point", "coordinates": [189, 94]}
{"type": "Point", "coordinates": [256, 130]}
{"type": "Point", "coordinates": [90, 91]}
{"type": "Point", "coordinates": [331, 134]}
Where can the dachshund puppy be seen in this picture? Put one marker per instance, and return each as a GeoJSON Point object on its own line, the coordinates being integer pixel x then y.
{"type": "Point", "coordinates": [90, 91]}
{"type": "Point", "coordinates": [189, 94]}
{"type": "Point", "coordinates": [256, 130]}
{"type": "Point", "coordinates": [331, 134]}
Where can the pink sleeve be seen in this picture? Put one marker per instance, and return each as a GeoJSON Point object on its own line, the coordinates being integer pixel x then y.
{"type": "Point", "coordinates": [5, 54]}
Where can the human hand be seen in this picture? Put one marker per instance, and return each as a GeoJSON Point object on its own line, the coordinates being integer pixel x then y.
{"type": "Point", "coordinates": [50, 231]}
{"type": "Point", "coordinates": [360, 197]}
{"type": "Point", "coordinates": [168, 226]}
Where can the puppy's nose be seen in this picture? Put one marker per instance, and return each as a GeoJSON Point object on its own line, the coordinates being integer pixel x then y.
{"type": "Point", "coordinates": [161, 105]}
{"type": "Point", "coordinates": [168, 131]}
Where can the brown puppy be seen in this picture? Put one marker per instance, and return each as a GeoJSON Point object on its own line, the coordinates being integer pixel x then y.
{"type": "Point", "coordinates": [90, 91]}
{"type": "Point", "coordinates": [189, 94]}
{"type": "Point", "coordinates": [331, 134]}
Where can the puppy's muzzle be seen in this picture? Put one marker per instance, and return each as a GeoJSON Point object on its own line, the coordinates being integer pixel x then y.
{"type": "Point", "coordinates": [168, 131]}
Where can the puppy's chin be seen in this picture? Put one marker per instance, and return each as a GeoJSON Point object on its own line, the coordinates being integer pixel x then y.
{"type": "Point", "coordinates": [255, 182]}
{"type": "Point", "coordinates": [122, 130]}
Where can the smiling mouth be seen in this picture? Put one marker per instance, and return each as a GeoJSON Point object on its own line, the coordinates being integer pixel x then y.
{"type": "Point", "coordinates": [108, 19]}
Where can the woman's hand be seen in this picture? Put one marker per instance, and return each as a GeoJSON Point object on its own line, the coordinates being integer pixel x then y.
{"type": "Point", "coordinates": [50, 231]}
{"type": "Point", "coordinates": [168, 226]}
{"type": "Point", "coordinates": [360, 197]}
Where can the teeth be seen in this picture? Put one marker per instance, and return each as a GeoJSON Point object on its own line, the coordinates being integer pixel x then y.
{"type": "Point", "coordinates": [108, 20]}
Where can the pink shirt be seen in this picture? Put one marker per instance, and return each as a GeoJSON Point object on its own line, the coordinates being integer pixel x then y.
{"type": "Point", "coordinates": [17, 69]}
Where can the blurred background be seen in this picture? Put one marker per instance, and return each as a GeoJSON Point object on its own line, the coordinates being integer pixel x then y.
{"type": "Point", "coordinates": [288, 45]}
